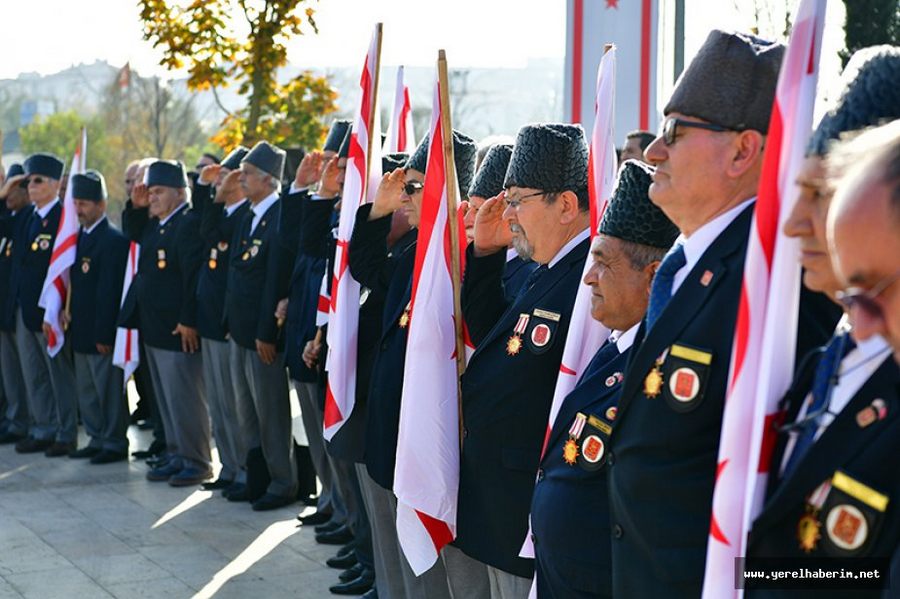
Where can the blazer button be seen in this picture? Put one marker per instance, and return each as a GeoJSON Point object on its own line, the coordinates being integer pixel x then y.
{"type": "Point", "coordinates": [618, 532]}
{"type": "Point", "coordinates": [540, 475]}
{"type": "Point", "coordinates": [384, 345]}
{"type": "Point", "coordinates": [610, 459]}
{"type": "Point", "coordinates": [533, 539]}
{"type": "Point", "coordinates": [465, 432]}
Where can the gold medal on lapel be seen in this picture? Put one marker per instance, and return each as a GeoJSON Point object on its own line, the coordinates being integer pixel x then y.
{"type": "Point", "coordinates": [570, 448]}
{"type": "Point", "coordinates": [514, 343]}
{"type": "Point", "coordinates": [404, 318]}
{"type": "Point", "coordinates": [34, 246]}
{"type": "Point", "coordinates": [9, 249]}
{"type": "Point", "coordinates": [654, 382]}
{"type": "Point", "coordinates": [160, 259]}
{"type": "Point", "coordinates": [213, 258]}
{"type": "Point", "coordinates": [808, 530]}
{"type": "Point", "coordinates": [570, 452]}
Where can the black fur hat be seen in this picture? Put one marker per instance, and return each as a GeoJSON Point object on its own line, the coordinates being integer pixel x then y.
{"type": "Point", "coordinates": [336, 134]}
{"type": "Point", "coordinates": [551, 157]}
{"type": "Point", "coordinates": [631, 216]}
{"type": "Point", "coordinates": [464, 150]}
{"type": "Point", "coordinates": [489, 178]}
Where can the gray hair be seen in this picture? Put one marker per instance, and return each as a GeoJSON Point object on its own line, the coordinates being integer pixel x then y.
{"type": "Point", "coordinates": [872, 153]}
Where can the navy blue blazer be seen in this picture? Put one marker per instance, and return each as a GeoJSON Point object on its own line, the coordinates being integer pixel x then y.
{"type": "Point", "coordinates": [31, 262]}
{"type": "Point", "coordinates": [12, 245]}
{"type": "Point", "coordinates": [570, 505]}
{"type": "Point", "coordinates": [860, 450]}
{"type": "Point", "coordinates": [371, 265]}
{"type": "Point", "coordinates": [163, 294]}
{"type": "Point", "coordinates": [256, 280]}
{"type": "Point", "coordinates": [217, 228]}
{"type": "Point", "coordinates": [97, 277]}
{"type": "Point", "coordinates": [515, 274]}
{"type": "Point", "coordinates": [506, 399]}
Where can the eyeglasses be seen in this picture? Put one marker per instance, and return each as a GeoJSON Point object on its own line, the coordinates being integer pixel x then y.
{"type": "Point", "coordinates": [867, 301]}
{"type": "Point", "coordinates": [412, 187]}
{"type": "Point", "coordinates": [36, 180]}
{"type": "Point", "coordinates": [670, 128]}
{"type": "Point", "coordinates": [514, 203]}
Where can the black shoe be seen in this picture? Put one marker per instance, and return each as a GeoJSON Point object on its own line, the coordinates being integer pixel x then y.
{"type": "Point", "coordinates": [7, 437]}
{"type": "Point", "coordinates": [311, 501]}
{"type": "Point", "coordinates": [357, 586]}
{"type": "Point", "coordinates": [32, 445]}
{"type": "Point", "coordinates": [84, 452]}
{"type": "Point", "coordinates": [145, 425]}
{"type": "Point", "coordinates": [314, 519]}
{"type": "Point", "coordinates": [351, 573]}
{"type": "Point", "coordinates": [219, 483]}
{"type": "Point", "coordinates": [341, 561]}
{"type": "Point", "coordinates": [108, 457]}
{"type": "Point", "coordinates": [329, 526]}
{"type": "Point", "coordinates": [59, 449]}
{"type": "Point", "coordinates": [236, 492]}
{"type": "Point", "coordinates": [335, 537]}
{"type": "Point", "coordinates": [370, 594]}
{"type": "Point", "coordinates": [156, 449]}
{"type": "Point", "coordinates": [271, 502]}
{"type": "Point", "coordinates": [348, 549]}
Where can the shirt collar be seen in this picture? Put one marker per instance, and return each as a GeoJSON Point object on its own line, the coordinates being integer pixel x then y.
{"type": "Point", "coordinates": [90, 230]}
{"type": "Point", "coordinates": [511, 254]}
{"type": "Point", "coordinates": [43, 212]}
{"type": "Point", "coordinates": [702, 238]}
{"type": "Point", "coordinates": [229, 210]}
{"type": "Point", "coordinates": [260, 209]}
{"type": "Point", "coordinates": [624, 339]}
{"type": "Point", "coordinates": [173, 213]}
{"type": "Point", "coordinates": [569, 247]}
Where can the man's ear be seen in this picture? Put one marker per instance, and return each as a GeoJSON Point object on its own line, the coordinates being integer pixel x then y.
{"type": "Point", "coordinates": [567, 204]}
{"type": "Point", "coordinates": [650, 272]}
{"type": "Point", "coordinates": [745, 152]}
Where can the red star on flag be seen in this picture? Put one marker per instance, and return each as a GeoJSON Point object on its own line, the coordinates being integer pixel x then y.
{"type": "Point", "coordinates": [612, 4]}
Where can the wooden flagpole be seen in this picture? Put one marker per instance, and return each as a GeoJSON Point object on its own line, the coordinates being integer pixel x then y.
{"type": "Point", "coordinates": [370, 118]}
{"type": "Point", "coordinates": [452, 208]}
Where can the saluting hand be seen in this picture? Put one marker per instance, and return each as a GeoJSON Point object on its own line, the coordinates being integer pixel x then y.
{"type": "Point", "coordinates": [328, 184]}
{"type": "Point", "coordinates": [209, 174]}
{"type": "Point", "coordinates": [140, 196]}
{"type": "Point", "coordinates": [492, 232]}
{"type": "Point", "coordinates": [190, 342]}
{"type": "Point", "coordinates": [389, 196]}
{"type": "Point", "coordinates": [230, 189]}
{"type": "Point", "coordinates": [266, 351]}
{"type": "Point", "coordinates": [310, 169]}
{"type": "Point", "coordinates": [9, 184]}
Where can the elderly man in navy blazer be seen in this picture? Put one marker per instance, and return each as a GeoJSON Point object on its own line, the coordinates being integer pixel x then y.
{"type": "Point", "coordinates": [508, 385]}
{"type": "Point", "coordinates": [570, 506]}
{"type": "Point", "coordinates": [96, 280]}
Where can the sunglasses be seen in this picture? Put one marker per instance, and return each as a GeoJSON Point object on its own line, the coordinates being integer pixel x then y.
{"type": "Point", "coordinates": [412, 187]}
{"type": "Point", "coordinates": [867, 300]}
{"type": "Point", "coordinates": [671, 125]}
{"type": "Point", "coordinates": [36, 180]}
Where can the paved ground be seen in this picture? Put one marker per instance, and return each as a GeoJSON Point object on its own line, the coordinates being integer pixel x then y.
{"type": "Point", "coordinates": [69, 529]}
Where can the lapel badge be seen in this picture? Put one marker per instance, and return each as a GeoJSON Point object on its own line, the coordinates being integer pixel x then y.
{"type": "Point", "coordinates": [592, 449]}
{"type": "Point", "coordinates": [570, 449]}
{"type": "Point", "coordinates": [404, 318]}
{"type": "Point", "coordinates": [808, 533]}
{"type": "Point", "coordinates": [245, 256]}
{"type": "Point", "coordinates": [213, 258]}
{"type": "Point", "coordinates": [684, 384]}
{"type": "Point", "coordinates": [873, 412]}
{"type": "Point", "coordinates": [212, 264]}
{"type": "Point", "coordinates": [44, 223]}
{"type": "Point", "coordinates": [85, 266]}
{"type": "Point", "coordinates": [9, 248]}
{"type": "Point", "coordinates": [223, 246]}
{"type": "Point", "coordinates": [254, 249]}
{"type": "Point", "coordinates": [614, 378]}
{"type": "Point", "coordinates": [847, 527]}
{"type": "Point", "coordinates": [653, 382]}
{"type": "Point", "coordinates": [514, 343]}
{"type": "Point", "coordinates": [45, 244]}
{"type": "Point", "coordinates": [540, 335]}
{"type": "Point", "coordinates": [707, 278]}
{"type": "Point", "coordinates": [34, 246]}
{"type": "Point", "coordinates": [611, 413]}
{"type": "Point", "coordinates": [161, 259]}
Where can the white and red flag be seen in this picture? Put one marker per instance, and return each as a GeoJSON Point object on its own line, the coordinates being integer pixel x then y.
{"type": "Point", "coordinates": [400, 136]}
{"type": "Point", "coordinates": [586, 335]}
{"type": "Point", "coordinates": [426, 476]}
{"type": "Point", "coordinates": [762, 359]}
{"type": "Point", "coordinates": [56, 284]}
{"type": "Point", "coordinates": [126, 351]}
{"type": "Point", "coordinates": [361, 182]}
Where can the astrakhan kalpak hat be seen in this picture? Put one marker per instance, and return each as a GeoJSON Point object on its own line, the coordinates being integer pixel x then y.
{"type": "Point", "coordinates": [43, 164]}
{"type": "Point", "coordinates": [89, 185]}
{"type": "Point", "coordinates": [731, 82]}
{"type": "Point", "coordinates": [167, 173]}
{"type": "Point", "coordinates": [870, 96]}
{"type": "Point", "coordinates": [391, 162]}
{"type": "Point", "coordinates": [233, 161]}
{"type": "Point", "coordinates": [344, 150]}
{"type": "Point", "coordinates": [551, 157]}
{"type": "Point", "coordinates": [267, 158]}
{"type": "Point", "coordinates": [464, 151]}
{"type": "Point", "coordinates": [336, 134]}
{"type": "Point", "coordinates": [631, 216]}
{"type": "Point", "coordinates": [15, 169]}
{"type": "Point", "coordinates": [489, 178]}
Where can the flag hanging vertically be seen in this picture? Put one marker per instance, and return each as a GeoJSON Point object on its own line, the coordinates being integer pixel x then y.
{"type": "Point", "coordinates": [400, 136]}
{"type": "Point", "coordinates": [762, 357]}
{"type": "Point", "coordinates": [586, 335]}
{"type": "Point", "coordinates": [426, 475]}
{"type": "Point", "coordinates": [360, 183]}
{"type": "Point", "coordinates": [126, 351]}
{"type": "Point", "coordinates": [55, 292]}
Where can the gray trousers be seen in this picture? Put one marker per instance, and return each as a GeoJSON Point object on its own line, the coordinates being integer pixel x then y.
{"type": "Point", "coordinates": [507, 586]}
{"type": "Point", "coordinates": [181, 398]}
{"type": "Point", "coordinates": [264, 411]}
{"type": "Point", "coordinates": [467, 577]}
{"type": "Point", "coordinates": [50, 383]}
{"type": "Point", "coordinates": [17, 419]}
{"type": "Point", "coordinates": [101, 400]}
{"type": "Point", "coordinates": [393, 576]}
{"type": "Point", "coordinates": [313, 419]}
{"type": "Point", "coordinates": [223, 409]}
